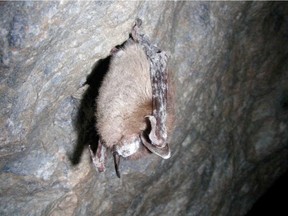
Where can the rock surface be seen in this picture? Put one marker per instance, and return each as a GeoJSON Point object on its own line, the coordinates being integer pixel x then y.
{"type": "Point", "coordinates": [230, 64]}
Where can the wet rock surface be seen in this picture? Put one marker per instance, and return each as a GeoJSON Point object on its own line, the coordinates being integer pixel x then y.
{"type": "Point", "coordinates": [229, 61]}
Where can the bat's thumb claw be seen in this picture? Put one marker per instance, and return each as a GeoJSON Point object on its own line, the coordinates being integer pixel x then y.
{"type": "Point", "coordinates": [135, 29]}
{"type": "Point", "coordinates": [138, 22]}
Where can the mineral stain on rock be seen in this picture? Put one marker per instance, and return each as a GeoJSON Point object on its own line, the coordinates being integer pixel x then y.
{"type": "Point", "coordinates": [17, 31]}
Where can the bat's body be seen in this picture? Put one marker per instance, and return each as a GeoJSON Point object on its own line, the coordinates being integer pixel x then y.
{"type": "Point", "coordinates": [125, 98]}
{"type": "Point", "coordinates": [133, 112]}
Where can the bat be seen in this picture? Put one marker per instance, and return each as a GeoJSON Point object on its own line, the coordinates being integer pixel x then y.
{"type": "Point", "coordinates": [134, 107]}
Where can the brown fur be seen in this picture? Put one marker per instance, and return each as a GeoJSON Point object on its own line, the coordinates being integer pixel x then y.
{"type": "Point", "coordinates": [125, 98]}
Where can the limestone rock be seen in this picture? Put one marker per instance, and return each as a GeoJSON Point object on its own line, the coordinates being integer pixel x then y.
{"type": "Point", "coordinates": [229, 62]}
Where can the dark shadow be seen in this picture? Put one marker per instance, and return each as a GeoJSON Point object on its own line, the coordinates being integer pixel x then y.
{"type": "Point", "coordinates": [85, 123]}
{"type": "Point", "coordinates": [86, 120]}
{"type": "Point", "coordinates": [274, 200]}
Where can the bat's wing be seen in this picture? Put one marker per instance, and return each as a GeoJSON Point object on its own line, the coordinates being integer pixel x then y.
{"type": "Point", "coordinates": [158, 74]}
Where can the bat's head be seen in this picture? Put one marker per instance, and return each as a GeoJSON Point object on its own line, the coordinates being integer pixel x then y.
{"type": "Point", "coordinates": [128, 146]}
{"type": "Point", "coordinates": [131, 148]}
{"type": "Point", "coordinates": [137, 146]}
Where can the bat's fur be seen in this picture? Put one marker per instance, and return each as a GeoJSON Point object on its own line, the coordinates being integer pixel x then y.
{"type": "Point", "coordinates": [125, 98]}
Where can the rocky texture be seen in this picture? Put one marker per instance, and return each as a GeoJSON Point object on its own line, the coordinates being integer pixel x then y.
{"type": "Point", "coordinates": [229, 61]}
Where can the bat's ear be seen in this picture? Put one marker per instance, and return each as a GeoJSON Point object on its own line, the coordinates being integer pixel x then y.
{"type": "Point", "coordinates": [163, 152]}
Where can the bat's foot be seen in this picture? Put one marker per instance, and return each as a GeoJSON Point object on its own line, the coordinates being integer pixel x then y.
{"type": "Point", "coordinates": [99, 157]}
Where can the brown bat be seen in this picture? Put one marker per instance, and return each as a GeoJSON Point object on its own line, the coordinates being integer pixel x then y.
{"type": "Point", "coordinates": [133, 116]}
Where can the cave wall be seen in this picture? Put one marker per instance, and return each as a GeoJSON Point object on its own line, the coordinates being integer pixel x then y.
{"type": "Point", "coordinates": [229, 61]}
